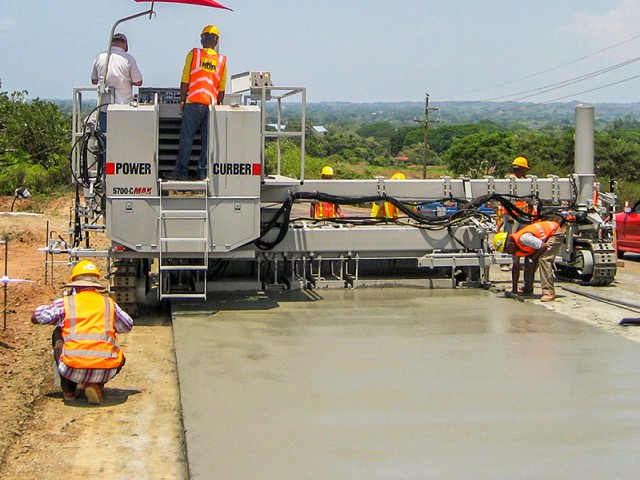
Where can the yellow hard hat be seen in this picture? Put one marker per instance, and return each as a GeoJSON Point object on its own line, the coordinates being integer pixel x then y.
{"type": "Point", "coordinates": [500, 240]}
{"type": "Point", "coordinates": [521, 162]}
{"type": "Point", "coordinates": [327, 170]}
{"type": "Point", "coordinates": [398, 176]}
{"type": "Point", "coordinates": [210, 30]}
{"type": "Point", "coordinates": [85, 267]}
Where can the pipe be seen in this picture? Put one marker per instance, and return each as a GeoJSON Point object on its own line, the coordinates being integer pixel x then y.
{"type": "Point", "coordinates": [102, 83]}
{"type": "Point", "coordinates": [584, 156]}
{"type": "Point", "coordinates": [620, 303]}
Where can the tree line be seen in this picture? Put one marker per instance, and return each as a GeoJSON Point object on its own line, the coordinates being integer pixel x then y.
{"type": "Point", "coordinates": [35, 141]}
{"type": "Point", "coordinates": [472, 150]}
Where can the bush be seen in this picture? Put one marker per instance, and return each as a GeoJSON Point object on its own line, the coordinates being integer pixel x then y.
{"type": "Point", "coordinates": [35, 177]}
{"type": "Point", "coordinates": [34, 144]}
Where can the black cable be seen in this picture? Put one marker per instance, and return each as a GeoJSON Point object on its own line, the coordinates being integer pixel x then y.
{"type": "Point", "coordinates": [542, 71]}
{"type": "Point", "coordinates": [281, 219]}
{"type": "Point", "coordinates": [92, 159]}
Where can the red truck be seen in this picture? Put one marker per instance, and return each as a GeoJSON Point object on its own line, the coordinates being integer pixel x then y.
{"type": "Point", "coordinates": [628, 230]}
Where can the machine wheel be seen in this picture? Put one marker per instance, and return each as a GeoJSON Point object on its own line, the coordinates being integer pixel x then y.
{"type": "Point", "coordinates": [583, 264]}
{"type": "Point", "coordinates": [594, 263]}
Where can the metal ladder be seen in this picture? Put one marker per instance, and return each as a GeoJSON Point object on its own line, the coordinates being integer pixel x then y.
{"type": "Point", "coordinates": [183, 229]}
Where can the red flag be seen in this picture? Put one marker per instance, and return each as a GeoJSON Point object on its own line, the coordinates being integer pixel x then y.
{"type": "Point", "coordinates": [204, 3]}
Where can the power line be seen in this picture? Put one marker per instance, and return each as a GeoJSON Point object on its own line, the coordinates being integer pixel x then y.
{"type": "Point", "coordinates": [590, 90]}
{"type": "Point", "coordinates": [555, 86]}
{"type": "Point", "coordinates": [509, 82]}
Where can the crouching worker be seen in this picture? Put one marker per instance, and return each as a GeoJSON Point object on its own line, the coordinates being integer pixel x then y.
{"type": "Point", "coordinates": [84, 340]}
{"type": "Point", "coordinates": [540, 242]}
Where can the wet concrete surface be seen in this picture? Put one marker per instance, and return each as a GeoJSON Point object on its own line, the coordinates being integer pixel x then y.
{"type": "Point", "coordinates": [403, 384]}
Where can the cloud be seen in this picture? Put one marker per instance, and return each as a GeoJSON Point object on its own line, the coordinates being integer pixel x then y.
{"type": "Point", "coordinates": [8, 24]}
{"type": "Point", "coordinates": [8, 28]}
{"type": "Point", "coordinates": [614, 27]}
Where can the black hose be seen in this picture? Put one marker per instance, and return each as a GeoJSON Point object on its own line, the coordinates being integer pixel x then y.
{"type": "Point", "coordinates": [92, 159]}
{"type": "Point", "coordinates": [282, 218]}
{"type": "Point", "coordinates": [594, 296]}
{"type": "Point", "coordinates": [467, 209]}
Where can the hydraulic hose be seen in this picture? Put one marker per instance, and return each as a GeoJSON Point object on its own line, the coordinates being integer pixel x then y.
{"type": "Point", "coordinates": [282, 218]}
{"type": "Point", "coordinates": [621, 303]}
{"type": "Point", "coordinates": [90, 173]}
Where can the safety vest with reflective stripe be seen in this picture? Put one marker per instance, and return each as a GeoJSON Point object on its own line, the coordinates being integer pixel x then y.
{"type": "Point", "coordinates": [325, 210]}
{"type": "Point", "coordinates": [89, 332]}
{"type": "Point", "coordinates": [521, 204]}
{"type": "Point", "coordinates": [387, 210]}
{"type": "Point", "coordinates": [541, 230]}
{"type": "Point", "coordinates": [204, 80]}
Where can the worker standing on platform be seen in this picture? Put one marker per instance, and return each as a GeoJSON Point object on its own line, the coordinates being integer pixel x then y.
{"type": "Point", "coordinates": [382, 209]}
{"type": "Point", "coordinates": [123, 74]}
{"type": "Point", "coordinates": [204, 79]}
{"type": "Point", "coordinates": [321, 210]}
{"type": "Point", "coordinates": [84, 340]}
{"type": "Point", "coordinates": [540, 242]}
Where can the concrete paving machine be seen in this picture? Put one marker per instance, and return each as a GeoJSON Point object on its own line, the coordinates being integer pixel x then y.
{"type": "Point", "coordinates": [245, 227]}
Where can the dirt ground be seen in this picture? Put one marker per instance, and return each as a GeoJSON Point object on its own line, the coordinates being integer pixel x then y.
{"type": "Point", "coordinates": [137, 432]}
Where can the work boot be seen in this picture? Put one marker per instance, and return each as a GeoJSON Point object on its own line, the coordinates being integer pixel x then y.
{"type": "Point", "coordinates": [93, 391]}
{"type": "Point", "coordinates": [67, 396]}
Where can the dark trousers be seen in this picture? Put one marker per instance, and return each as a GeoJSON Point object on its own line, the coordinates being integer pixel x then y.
{"type": "Point", "coordinates": [195, 117]}
{"type": "Point", "coordinates": [56, 342]}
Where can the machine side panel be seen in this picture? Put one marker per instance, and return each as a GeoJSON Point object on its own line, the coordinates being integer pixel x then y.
{"type": "Point", "coordinates": [554, 189]}
{"type": "Point", "coordinates": [233, 222]}
{"type": "Point", "coordinates": [133, 223]}
{"type": "Point", "coordinates": [378, 241]}
{"type": "Point", "coordinates": [235, 167]}
{"type": "Point", "coordinates": [132, 143]}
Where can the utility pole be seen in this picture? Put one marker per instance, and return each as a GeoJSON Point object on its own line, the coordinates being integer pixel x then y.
{"type": "Point", "coordinates": [425, 123]}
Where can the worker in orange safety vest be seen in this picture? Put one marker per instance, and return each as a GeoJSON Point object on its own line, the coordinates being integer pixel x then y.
{"type": "Point", "coordinates": [203, 84]}
{"type": "Point", "coordinates": [320, 210]}
{"type": "Point", "coordinates": [84, 340]}
{"type": "Point", "coordinates": [505, 222]}
{"type": "Point", "coordinates": [540, 242]}
{"type": "Point", "coordinates": [382, 209]}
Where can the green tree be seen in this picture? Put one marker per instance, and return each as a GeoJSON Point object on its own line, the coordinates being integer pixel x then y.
{"type": "Point", "coordinates": [617, 159]}
{"type": "Point", "coordinates": [548, 152]}
{"type": "Point", "coordinates": [380, 131]}
{"type": "Point", "coordinates": [441, 137]}
{"type": "Point", "coordinates": [34, 144]}
{"type": "Point", "coordinates": [481, 154]}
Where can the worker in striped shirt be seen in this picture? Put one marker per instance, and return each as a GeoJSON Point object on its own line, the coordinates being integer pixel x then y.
{"type": "Point", "coordinates": [84, 340]}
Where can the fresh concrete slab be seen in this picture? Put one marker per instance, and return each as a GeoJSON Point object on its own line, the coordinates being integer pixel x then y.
{"type": "Point", "coordinates": [403, 384]}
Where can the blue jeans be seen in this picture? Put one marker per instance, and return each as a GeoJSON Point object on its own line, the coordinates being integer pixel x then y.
{"type": "Point", "coordinates": [195, 116]}
{"type": "Point", "coordinates": [102, 121]}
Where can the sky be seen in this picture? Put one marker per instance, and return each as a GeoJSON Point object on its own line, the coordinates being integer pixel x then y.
{"type": "Point", "coordinates": [345, 50]}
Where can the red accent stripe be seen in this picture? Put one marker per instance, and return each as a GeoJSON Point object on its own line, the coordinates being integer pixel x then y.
{"type": "Point", "coordinates": [111, 168]}
{"type": "Point", "coordinates": [256, 169]}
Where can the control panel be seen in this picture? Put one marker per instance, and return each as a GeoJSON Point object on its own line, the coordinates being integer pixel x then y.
{"type": "Point", "coordinates": [165, 95]}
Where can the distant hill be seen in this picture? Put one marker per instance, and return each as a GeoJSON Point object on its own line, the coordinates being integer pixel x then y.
{"type": "Point", "coordinates": [507, 114]}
